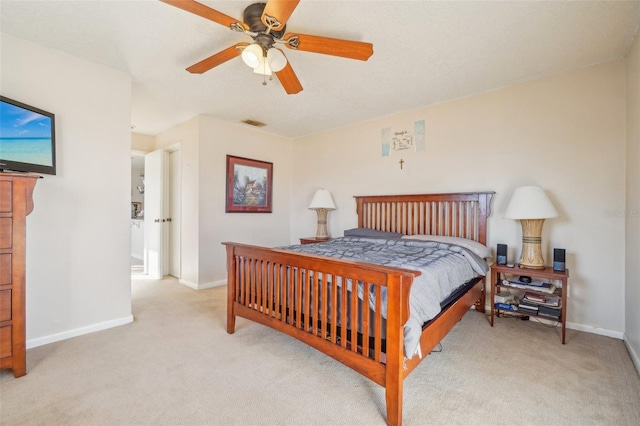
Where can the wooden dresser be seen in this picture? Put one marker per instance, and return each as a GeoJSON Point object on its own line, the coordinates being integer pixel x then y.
{"type": "Point", "coordinates": [16, 203]}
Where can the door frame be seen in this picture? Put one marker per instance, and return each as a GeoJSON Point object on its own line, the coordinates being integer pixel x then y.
{"type": "Point", "coordinates": [175, 223]}
{"type": "Point", "coordinates": [163, 257]}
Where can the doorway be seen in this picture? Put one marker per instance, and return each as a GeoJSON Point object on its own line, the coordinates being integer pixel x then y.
{"type": "Point", "coordinates": [175, 242]}
{"type": "Point", "coordinates": [162, 220]}
{"type": "Point", "coordinates": [137, 213]}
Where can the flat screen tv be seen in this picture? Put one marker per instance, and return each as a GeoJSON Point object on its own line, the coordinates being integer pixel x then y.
{"type": "Point", "coordinates": [27, 138]}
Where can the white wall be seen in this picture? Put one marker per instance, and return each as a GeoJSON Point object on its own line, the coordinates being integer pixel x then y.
{"type": "Point", "coordinates": [78, 246]}
{"type": "Point", "coordinates": [632, 216]}
{"type": "Point", "coordinates": [137, 239]}
{"type": "Point", "coordinates": [205, 143]}
{"type": "Point", "coordinates": [565, 133]}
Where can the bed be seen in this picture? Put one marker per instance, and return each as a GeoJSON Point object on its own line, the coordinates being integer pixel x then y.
{"type": "Point", "coordinates": [314, 299]}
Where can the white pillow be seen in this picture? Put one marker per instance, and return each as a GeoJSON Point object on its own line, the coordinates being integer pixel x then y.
{"type": "Point", "coordinates": [476, 247]}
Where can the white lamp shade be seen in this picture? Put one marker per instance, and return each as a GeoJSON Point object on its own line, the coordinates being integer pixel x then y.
{"type": "Point", "coordinates": [322, 200]}
{"type": "Point", "coordinates": [262, 68]}
{"type": "Point", "coordinates": [530, 202]}
{"type": "Point", "coordinates": [252, 54]}
{"type": "Point", "coordinates": [276, 59]}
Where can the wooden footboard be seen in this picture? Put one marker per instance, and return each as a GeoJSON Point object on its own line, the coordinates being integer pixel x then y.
{"type": "Point", "coordinates": [306, 297]}
{"type": "Point", "coordinates": [335, 305]}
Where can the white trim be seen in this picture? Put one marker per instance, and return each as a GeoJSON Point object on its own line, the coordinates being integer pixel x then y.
{"type": "Point", "coordinates": [173, 147]}
{"type": "Point", "coordinates": [632, 353]}
{"type": "Point", "coordinates": [578, 327]}
{"type": "Point", "coordinates": [34, 343]}
{"type": "Point", "coordinates": [204, 285]}
{"type": "Point", "coordinates": [595, 330]}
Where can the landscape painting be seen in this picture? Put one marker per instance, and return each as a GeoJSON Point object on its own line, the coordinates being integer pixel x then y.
{"type": "Point", "coordinates": [249, 185]}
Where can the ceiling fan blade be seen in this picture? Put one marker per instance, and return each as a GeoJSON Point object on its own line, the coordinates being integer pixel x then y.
{"type": "Point", "coordinates": [329, 46]}
{"type": "Point", "coordinates": [289, 80]}
{"type": "Point", "coordinates": [217, 59]}
{"type": "Point", "coordinates": [206, 12]}
{"type": "Point", "coordinates": [281, 10]}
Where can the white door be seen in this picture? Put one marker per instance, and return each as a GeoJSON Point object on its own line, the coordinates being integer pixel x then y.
{"type": "Point", "coordinates": [154, 218]}
{"type": "Point", "coordinates": [174, 213]}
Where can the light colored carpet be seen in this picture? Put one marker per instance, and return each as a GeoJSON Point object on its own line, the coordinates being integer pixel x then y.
{"type": "Point", "coordinates": [176, 365]}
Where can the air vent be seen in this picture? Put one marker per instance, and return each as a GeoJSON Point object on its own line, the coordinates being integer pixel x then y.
{"type": "Point", "coordinates": [254, 123]}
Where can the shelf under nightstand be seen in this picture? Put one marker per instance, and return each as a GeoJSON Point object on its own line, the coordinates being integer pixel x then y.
{"type": "Point", "coordinates": [497, 271]}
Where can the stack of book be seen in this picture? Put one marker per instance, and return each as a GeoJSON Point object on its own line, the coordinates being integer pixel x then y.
{"type": "Point", "coordinates": [503, 297]}
{"type": "Point", "coordinates": [542, 305]}
{"type": "Point", "coordinates": [533, 285]}
{"type": "Point", "coordinates": [550, 312]}
{"type": "Point", "coordinates": [526, 307]}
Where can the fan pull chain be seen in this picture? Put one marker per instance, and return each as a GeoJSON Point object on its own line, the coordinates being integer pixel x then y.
{"type": "Point", "coordinates": [264, 69]}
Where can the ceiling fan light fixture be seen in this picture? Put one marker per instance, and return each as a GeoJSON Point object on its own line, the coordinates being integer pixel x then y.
{"type": "Point", "coordinates": [276, 59]}
{"type": "Point", "coordinates": [252, 55]}
{"type": "Point", "coordinates": [263, 68]}
{"type": "Point", "coordinates": [265, 22]}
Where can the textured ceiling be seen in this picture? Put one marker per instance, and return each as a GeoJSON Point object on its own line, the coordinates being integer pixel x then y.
{"type": "Point", "coordinates": [424, 53]}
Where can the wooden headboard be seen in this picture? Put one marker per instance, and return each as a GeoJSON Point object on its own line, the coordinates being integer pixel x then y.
{"type": "Point", "coordinates": [456, 214]}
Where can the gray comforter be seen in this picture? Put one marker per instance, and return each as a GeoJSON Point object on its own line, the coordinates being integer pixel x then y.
{"type": "Point", "coordinates": [444, 268]}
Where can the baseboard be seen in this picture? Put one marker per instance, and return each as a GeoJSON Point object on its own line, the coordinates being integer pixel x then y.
{"type": "Point", "coordinates": [578, 327]}
{"type": "Point", "coordinates": [635, 358]}
{"type": "Point", "coordinates": [34, 343]}
{"type": "Point", "coordinates": [595, 330]}
{"type": "Point", "coordinates": [203, 285]}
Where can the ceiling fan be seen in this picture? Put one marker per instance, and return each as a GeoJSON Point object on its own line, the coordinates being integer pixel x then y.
{"type": "Point", "coordinates": [266, 24]}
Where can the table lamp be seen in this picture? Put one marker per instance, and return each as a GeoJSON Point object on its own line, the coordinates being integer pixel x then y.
{"type": "Point", "coordinates": [531, 206]}
{"type": "Point", "coordinates": [322, 203]}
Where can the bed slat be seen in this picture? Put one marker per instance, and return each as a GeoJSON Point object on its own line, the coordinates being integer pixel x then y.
{"type": "Point", "coordinates": [459, 215]}
{"type": "Point", "coordinates": [301, 308]}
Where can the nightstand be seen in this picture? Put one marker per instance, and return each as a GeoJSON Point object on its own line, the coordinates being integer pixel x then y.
{"type": "Point", "coordinates": [314, 240]}
{"type": "Point", "coordinates": [510, 275]}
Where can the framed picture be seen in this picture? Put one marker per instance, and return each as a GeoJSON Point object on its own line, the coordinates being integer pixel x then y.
{"type": "Point", "coordinates": [249, 185]}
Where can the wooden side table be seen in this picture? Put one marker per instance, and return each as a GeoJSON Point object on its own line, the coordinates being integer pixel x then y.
{"type": "Point", "coordinates": [314, 240]}
{"type": "Point", "coordinates": [547, 273]}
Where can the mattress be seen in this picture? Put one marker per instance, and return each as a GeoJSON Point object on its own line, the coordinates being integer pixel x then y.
{"type": "Point", "coordinates": [444, 268]}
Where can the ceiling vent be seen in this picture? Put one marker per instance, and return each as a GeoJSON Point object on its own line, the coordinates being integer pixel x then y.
{"type": "Point", "coordinates": [253, 123]}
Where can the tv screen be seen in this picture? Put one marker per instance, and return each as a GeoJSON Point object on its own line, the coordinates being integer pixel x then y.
{"type": "Point", "coordinates": [27, 138]}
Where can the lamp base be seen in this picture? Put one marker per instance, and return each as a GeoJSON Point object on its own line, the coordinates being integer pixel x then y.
{"type": "Point", "coordinates": [531, 256]}
{"type": "Point", "coordinates": [321, 232]}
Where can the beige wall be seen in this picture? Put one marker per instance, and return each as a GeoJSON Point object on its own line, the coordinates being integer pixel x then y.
{"type": "Point", "coordinates": [142, 143]}
{"type": "Point", "coordinates": [78, 236]}
{"type": "Point", "coordinates": [205, 143]}
{"type": "Point", "coordinates": [565, 134]}
{"type": "Point", "coordinates": [632, 216]}
{"type": "Point", "coordinates": [187, 136]}
{"type": "Point", "coordinates": [219, 139]}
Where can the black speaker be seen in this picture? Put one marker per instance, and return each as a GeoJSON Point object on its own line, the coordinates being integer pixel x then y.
{"type": "Point", "coordinates": [558, 260]}
{"type": "Point", "coordinates": [501, 258]}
